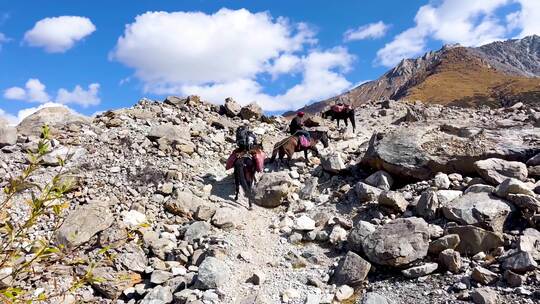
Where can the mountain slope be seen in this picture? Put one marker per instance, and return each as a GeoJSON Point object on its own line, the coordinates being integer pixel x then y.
{"type": "Point", "coordinates": [495, 74]}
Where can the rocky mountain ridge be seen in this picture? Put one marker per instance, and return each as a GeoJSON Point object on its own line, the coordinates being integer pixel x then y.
{"type": "Point", "coordinates": [423, 204]}
{"type": "Point", "coordinates": [499, 73]}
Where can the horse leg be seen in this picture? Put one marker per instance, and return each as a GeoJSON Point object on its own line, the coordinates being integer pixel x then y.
{"type": "Point", "coordinates": [289, 158]}
{"type": "Point", "coordinates": [306, 156]}
{"type": "Point", "coordinates": [353, 122]}
{"type": "Point", "coordinates": [236, 183]}
{"type": "Point", "coordinates": [315, 151]}
{"type": "Point", "coordinates": [281, 156]}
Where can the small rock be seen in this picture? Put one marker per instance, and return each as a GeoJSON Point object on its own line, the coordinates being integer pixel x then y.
{"type": "Point", "coordinates": [451, 260]}
{"type": "Point", "coordinates": [304, 223]}
{"type": "Point", "coordinates": [484, 276]}
{"type": "Point", "coordinates": [393, 200]}
{"type": "Point", "coordinates": [420, 271]}
{"type": "Point", "coordinates": [344, 292]}
{"type": "Point", "coordinates": [484, 296]}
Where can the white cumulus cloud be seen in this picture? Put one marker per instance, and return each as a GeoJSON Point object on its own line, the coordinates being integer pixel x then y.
{"type": "Point", "coordinates": [368, 31]}
{"type": "Point", "coordinates": [59, 34]}
{"type": "Point", "coordinates": [470, 23]}
{"type": "Point", "coordinates": [35, 91]}
{"type": "Point", "coordinates": [80, 96]}
{"type": "Point", "coordinates": [224, 54]}
{"type": "Point", "coordinates": [527, 18]}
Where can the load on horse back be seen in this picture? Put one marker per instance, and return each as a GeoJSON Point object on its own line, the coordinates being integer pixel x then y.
{"type": "Point", "coordinates": [292, 144]}
{"type": "Point", "coordinates": [340, 112]}
{"type": "Point", "coordinates": [247, 159]}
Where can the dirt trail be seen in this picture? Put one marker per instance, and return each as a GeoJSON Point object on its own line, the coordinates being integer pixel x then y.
{"type": "Point", "coordinates": [254, 247]}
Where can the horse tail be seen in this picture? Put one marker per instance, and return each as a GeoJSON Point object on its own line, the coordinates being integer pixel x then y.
{"type": "Point", "coordinates": [352, 117]}
{"type": "Point", "coordinates": [239, 172]}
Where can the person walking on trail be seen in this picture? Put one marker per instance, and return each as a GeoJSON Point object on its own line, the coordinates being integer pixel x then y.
{"type": "Point", "coordinates": [296, 127]}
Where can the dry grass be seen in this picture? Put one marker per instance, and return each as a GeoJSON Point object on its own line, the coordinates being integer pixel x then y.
{"type": "Point", "coordinates": [465, 80]}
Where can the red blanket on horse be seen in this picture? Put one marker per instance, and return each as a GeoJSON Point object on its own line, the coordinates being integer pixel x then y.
{"type": "Point", "coordinates": [340, 108]}
{"type": "Point", "coordinates": [257, 155]}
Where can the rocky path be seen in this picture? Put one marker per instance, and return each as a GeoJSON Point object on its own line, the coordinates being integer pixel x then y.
{"type": "Point", "coordinates": [265, 266]}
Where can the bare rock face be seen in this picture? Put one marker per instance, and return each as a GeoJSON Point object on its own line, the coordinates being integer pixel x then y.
{"type": "Point", "coordinates": [398, 243]}
{"type": "Point", "coordinates": [8, 134]}
{"type": "Point", "coordinates": [83, 223]}
{"type": "Point", "coordinates": [496, 170]}
{"type": "Point", "coordinates": [481, 209]}
{"type": "Point", "coordinates": [414, 152]}
{"type": "Point", "coordinates": [53, 117]}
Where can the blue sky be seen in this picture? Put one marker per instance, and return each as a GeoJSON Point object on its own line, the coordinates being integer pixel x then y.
{"type": "Point", "coordinates": [282, 54]}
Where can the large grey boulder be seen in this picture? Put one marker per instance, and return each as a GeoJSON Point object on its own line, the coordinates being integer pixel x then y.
{"type": "Point", "coordinates": [495, 170]}
{"type": "Point", "coordinates": [332, 162]}
{"type": "Point", "coordinates": [474, 239]}
{"type": "Point", "coordinates": [520, 262]}
{"type": "Point", "coordinates": [512, 186]}
{"type": "Point", "coordinates": [54, 117]}
{"type": "Point", "coordinates": [272, 188]}
{"type": "Point", "coordinates": [415, 152]}
{"type": "Point", "coordinates": [358, 234]}
{"type": "Point", "coordinates": [171, 133]}
{"type": "Point", "coordinates": [83, 223]}
{"type": "Point", "coordinates": [231, 108]}
{"type": "Point", "coordinates": [213, 273]}
{"type": "Point", "coordinates": [184, 204]}
{"type": "Point", "coordinates": [398, 243]}
{"type": "Point", "coordinates": [480, 209]}
{"type": "Point", "coordinates": [251, 111]}
{"type": "Point", "coordinates": [351, 270]}
{"type": "Point", "coordinates": [8, 134]}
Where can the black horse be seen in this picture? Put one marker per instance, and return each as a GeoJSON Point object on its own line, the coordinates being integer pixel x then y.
{"type": "Point", "coordinates": [345, 115]}
{"type": "Point", "coordinates": [244, 176]}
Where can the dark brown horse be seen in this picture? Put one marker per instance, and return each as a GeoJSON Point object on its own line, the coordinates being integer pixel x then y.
{"type": "Point", "coordinates": [290, 145]}
{"type": "Point", "coordinates": [244, 175]}
{"type": "Point", "coordinates": [245, 165]}
{"type": "Point", "coordinates": [345, 115]}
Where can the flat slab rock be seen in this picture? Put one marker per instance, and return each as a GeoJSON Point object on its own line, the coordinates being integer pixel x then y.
{"type": "Point", "coordinates": [480, 209]}
{"type": "Point", "coordinates": [83, 223]}
{"type": "Point", "coordinates": [398, 243]}
{"type": "Point", "coordinates": [414, 152]}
